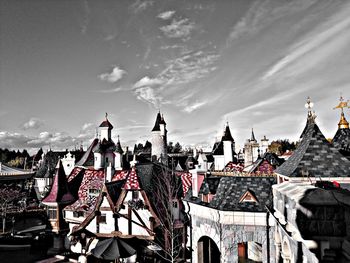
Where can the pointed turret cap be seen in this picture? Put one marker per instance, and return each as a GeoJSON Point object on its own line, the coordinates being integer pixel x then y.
{"type": "Point", "coordinates": [315, 156]}
{"type": "Point", "coordinates": [343, 123]}
{"type": "Point", "coordinates": [162, 121]}
{"type": "Point", "coordinates": [227, 135]}
{"type": "Point", "coordinates": [59, 192]}
{"type": "Point", "coordinates": [106, 123]}
{"type": "Point", "coordinates": [158, 121]}
{"type": "Point", "coordinates": [118, 147]}
{"type": "Point", "coordinates": [252, 137]}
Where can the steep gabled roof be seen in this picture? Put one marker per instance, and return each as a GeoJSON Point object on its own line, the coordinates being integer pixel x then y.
{"type": "Point", "coordinates": [59, 192]}
{"type": "Point", "coordinates": [88, 157]}
{"type": "Point", "coordinates": [315, 157]}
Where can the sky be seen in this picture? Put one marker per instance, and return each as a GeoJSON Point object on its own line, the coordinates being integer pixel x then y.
{"type": "Point", "coordinates": [202, 63]}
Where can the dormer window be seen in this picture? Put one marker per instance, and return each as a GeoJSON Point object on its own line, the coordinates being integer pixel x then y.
{"type": "Point", "coordinates": [94, 192]}
{"type": "Point", "coordinates": [248, 196]}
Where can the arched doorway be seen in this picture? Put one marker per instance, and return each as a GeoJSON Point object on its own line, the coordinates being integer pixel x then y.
{"type": "Point", "coordinates": [208, 251]}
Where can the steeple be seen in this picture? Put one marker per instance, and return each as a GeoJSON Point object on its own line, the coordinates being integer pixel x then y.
{"type": "Point", "coordinates": [311, 116]}
{"type": "Point", "coordinates": [105, 129]}
{"type": "Point", "coordinates": [227, 134]}
{"type": "Point", "coordinates": [158, 121]}
{"type": "Point", "coordinates": [343, 123]}
{"type": "Point", "coordinates": [118, 147]}
{"type": "Point", "coordinates": [252, 137]}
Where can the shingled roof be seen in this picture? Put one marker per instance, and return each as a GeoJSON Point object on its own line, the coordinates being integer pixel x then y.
{"type": "Point", "coordinates": [315, 157]}
{"type": "Point", "coordinates": [341, 141]}
{"type": "Point", "coordinates": [59, 192]}
{"type": "Point", "coordinates": [227, 135]}
{"type": "Point", "coordinates": [228, 191]}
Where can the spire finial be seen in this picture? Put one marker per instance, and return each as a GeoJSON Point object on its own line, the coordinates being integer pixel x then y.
{"type": "Point", "coordinates": [118, 137]}
{"type": "Point", "coordinates": [309, 105]}
{"type": "Point", "coordinates": [343, 123]}
{"type": "Point", "coordinates": [106, 115]}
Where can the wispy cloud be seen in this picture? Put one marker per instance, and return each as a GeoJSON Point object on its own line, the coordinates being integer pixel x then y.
{"type": "Point", "coordinates": [263, 13]}
{"type": "Point", "coordinates": [149, 95]}
{"type": "Point", "coordinates": [86, 17]}
{"type": "Point", "coordinates": [115, 75]}
{"type": "Point", "coordinates": [166, 15]}
{"type": "Point", "coordinates": [147, 81]}
{"type": "Point", "coordinates": [117, 89]}
{"type": "Point", "coordinates": [33, 123]}
{"type": "Point", "coordinates": [178, 28]}
{"type": "Point", "coordinates": [194, 106]}
{"type": "Point", "coordinates": [141, 5]}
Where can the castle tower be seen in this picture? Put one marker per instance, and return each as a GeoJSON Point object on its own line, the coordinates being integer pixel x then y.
{"type": "Point", "coordinates": [104, 150]}
{"type": "Point", "coordinates": [341, 139]}
{"type": "Point", "coordinates": [159, 139]}
{"type": "Point", "coordinates": [264, 145]}
{"type": "Point", "coordinates": [251, 150]}
{"type": "Point", "coordinates": [229, 145]}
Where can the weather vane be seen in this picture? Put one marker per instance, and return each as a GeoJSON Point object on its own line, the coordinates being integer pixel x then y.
{"type": "Point", "coordinates": [342, 104]}
{"type": "Point", "coordinates": [309, 105]}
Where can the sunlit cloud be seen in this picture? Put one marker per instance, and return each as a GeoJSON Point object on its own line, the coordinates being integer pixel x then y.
{"type": "Point", "coordinates": [33, 123]}
{"type": "Point", "coordinates": [115, 75]}
{"type": "Point", "coordinates": [141, 5]}
{"type": "Point", "coordinates": [178, 28]}
{"type": "Point", "coordinates": [166, 15]}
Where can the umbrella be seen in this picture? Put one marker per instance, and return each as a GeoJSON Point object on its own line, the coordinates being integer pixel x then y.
{"type": "Point", "coordinates": [112, 248]}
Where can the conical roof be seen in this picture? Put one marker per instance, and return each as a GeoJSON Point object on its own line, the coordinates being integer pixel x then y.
{"type": "Point", "coordinates": [118, 147]}
{"type": "Point", "coordinates": [315, 157]}
{"type": "Point", "coordinates": [106, 123]}
{"type": "Point", "coordinates": [157, 123]}
{"type": "Point", "coordinates": [252, 137]}
{"type": "Point", "coordinates": [59, 192]}
{"type": "Point", "coordinates": [227, 135]}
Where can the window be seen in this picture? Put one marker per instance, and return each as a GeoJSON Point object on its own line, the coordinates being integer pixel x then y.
{"type": "Point", "coordinates": [102, 219]}
{"type": "Point", "coordinates": [135, 195]}
{"type": "Point", "coordinates": [52, 212]}
{"type": "Point", "coordinates": [94, 192]}
{"type": "Point", "coordinates": [248, 196]}
{"type": "Point", "coordinates": [78, 214]}
{"type": "Point", "coordinates": [174, 204]}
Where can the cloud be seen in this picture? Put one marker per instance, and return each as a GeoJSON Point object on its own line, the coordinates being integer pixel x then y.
{"type": "Point", "coordinates": [140, 5]}
{"type": "Point", "coordinates": [114, 76]}
{"type": "Point", "coordinates": [110, 90]}
{"type": "Point", "coordinates": [321, 44]}
{"type": "Point", "coordinates": [13, 140]}
{"type": "Point", "coordinates": [149, 95]}
{"type": "Point", "coordinates": [147, 81]}
{"type": "Point", "coordinates": [33, 123]}
{"type": "Point", "coordinates": [194, 106]}
{"type": "Point", "coordinates": [166, 15]}
{"type": "Point", "coordinates": [263, 13]}
{"type": "Point", "coordinates": [178, 28]}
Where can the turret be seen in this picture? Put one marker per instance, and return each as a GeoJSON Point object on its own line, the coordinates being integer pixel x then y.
{"type": "Point", "coordinates": [118, 161]}
{"type": "Point", "coordinates": [229, 145]}
{"type": "Point", "coordinates": [105, 129]}
{"type": "Point", "coordinates": [159, 139]}
{"type": "Point", "coordinates": [251, 148]}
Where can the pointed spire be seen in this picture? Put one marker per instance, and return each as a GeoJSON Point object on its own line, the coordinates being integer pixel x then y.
{"type": "Point", "coordinates": [59, 191]}
{"type": "Point", "coordinates": [343, 123]}
{"type": "Point", "coordinates": [227, 134]}
{"type": "Point", "coordinates": [158, 121]}
{"type": "Point", "coordinates": [118, 147]}
{"type": "Point", "coordinates": [311, 116]}
{"type": "Point", "coordinates": [252, 137]}
{"type": "Point", "coordinates": [162, 121]}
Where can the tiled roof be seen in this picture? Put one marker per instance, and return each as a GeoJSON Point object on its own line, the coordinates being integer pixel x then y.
{"type": "Point", "coordinates": [228, 191]}
{"type": "Point", "coordinates": [341, 141]}
{"type": "Point", "coordinates": [132, 181]}
{"type": "Point", "coordinates": [92, 179]}
{"type": "Point", "coordinates": [266, 164]}
{"type": "Point", "coordinates": [59, 192]}
{"type": "Point", "coordinates": [118, 148]}
{"type": "Point", "coordinates": [315, 157]}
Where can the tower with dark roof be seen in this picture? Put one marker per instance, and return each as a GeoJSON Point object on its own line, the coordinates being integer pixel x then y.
{"type": "Point", "coordinates": [118, 161]}
{"type": "Point", "coordinates": [341, 139]}
{"type": "Point", "coordinates": [251, 150]}
{"type": "Point", "coordinates": [159, 139]}
{"type": "Point", "coordinates": [229, 145]}
{"type": "Point", "coordinates": [104, 149]}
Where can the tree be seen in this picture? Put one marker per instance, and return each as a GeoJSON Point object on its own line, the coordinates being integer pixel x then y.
{"type": "Point", "coordinates": [171, 231]}
{"type": "Point", "coordinates": [281, 146]}
{"type": "Point", "coordinates": [177, 148]}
